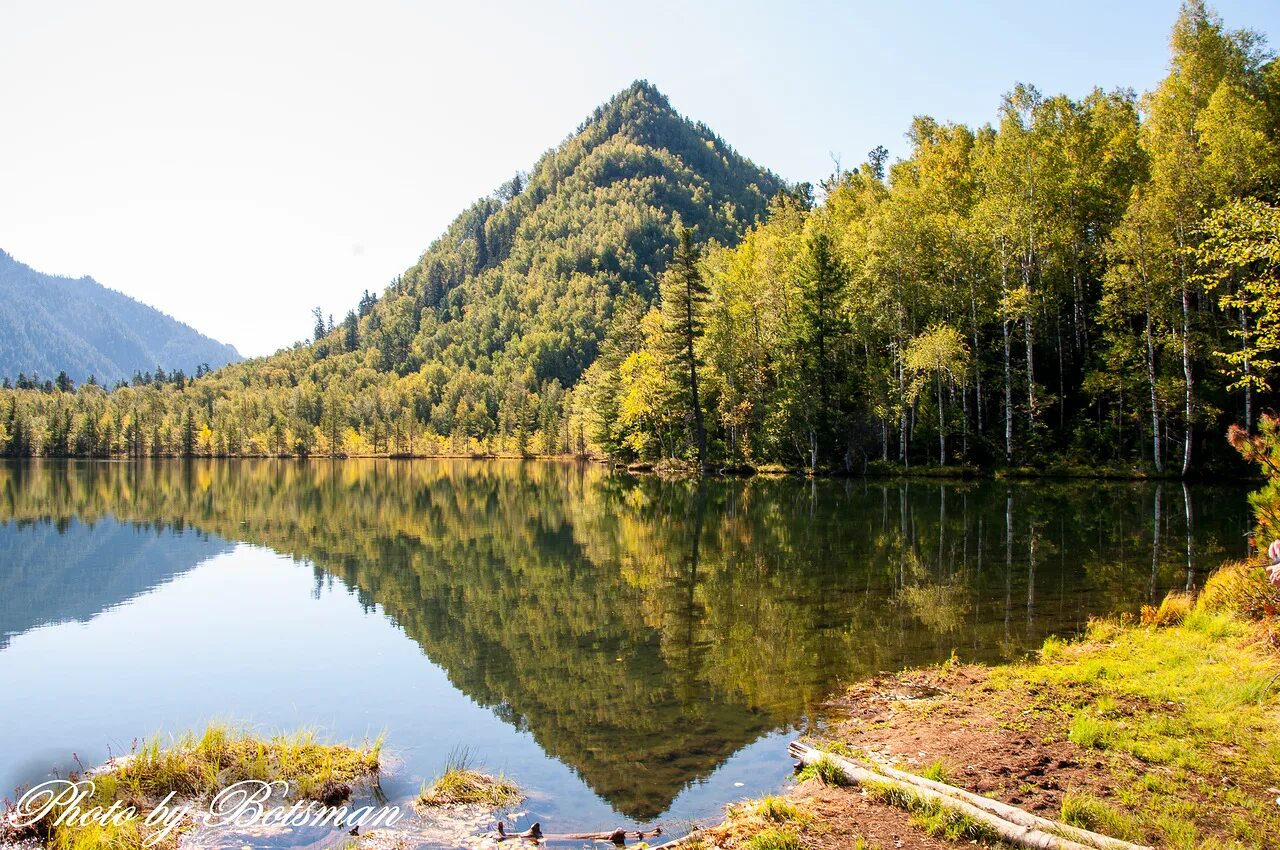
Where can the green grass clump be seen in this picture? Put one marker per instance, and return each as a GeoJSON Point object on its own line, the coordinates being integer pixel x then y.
{"type": "Point", "coordinates": [462, 784]}
{"type": "Point", "coordinates": [1215, 625]}
{"type": "Point", "coordinates": [1091, 732]}
{"type": "Point", "coordinates": [773, 838]}
{"type": "Point", "coordinates": [826, 770]}
{"type": "Point", "coordinates": [939, 771]}
{"type": "Point", "coordinates": [1088, 812]}
{"type": "Point", "coordinates": [1052, 648]}
{"type": "Point", "coordinates": [779, 810]}
{"type": "Point", "coordinates": [198, 766]}
{"type": "Point", "coordinates": [221, 756]}
{"type": "Point", "coordinates": [933, 817]}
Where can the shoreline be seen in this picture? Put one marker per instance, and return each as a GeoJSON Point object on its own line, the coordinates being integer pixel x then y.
{"type": "Point", "coordinates": [1163, 731]}
{"type": "Point", "coordinates": [682, 473]}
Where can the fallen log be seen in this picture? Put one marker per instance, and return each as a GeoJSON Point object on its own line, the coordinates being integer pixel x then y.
{"type": "Point", "coordinates": [533, 833]}
{"type": "Point", "coordinates": [1012, 814]}
{"type": "Point", "coordinates": [617, 836]}
{"type": "Point", "coordinates": [1011, 833]}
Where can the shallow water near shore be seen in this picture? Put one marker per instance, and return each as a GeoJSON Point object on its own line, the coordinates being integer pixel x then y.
{"type": "Point", "coordinates": [630, 650]}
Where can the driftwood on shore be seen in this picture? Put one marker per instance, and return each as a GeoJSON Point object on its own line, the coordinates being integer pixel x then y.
{"type": "Point", "coordinates": [1015, 826]}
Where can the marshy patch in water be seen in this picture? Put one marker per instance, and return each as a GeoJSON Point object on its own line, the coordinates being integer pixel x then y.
{"type": "Point", "coordinates": [153, 795]}
{"type": "Point", "coordinates": [462, 783]}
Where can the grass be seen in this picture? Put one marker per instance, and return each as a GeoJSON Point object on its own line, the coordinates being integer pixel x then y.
{"type": "Point", "coordinates": [1091, 732]}
{"type": "Point", "coordinates": [1088, 812]}
{"type": "Point", "coordinates": [769, 823]}
{"type": "Point", "coordinates": [462, 784]}
{"type": "Point", "coordinates": [773, 838]}
{"type": "Point", "coordinates": [1168, 696]}
{"type": "Point", "coordinates": [1183, 710]}
{"type": "Point", "coordinates": [221, 756]}
{"type": "Point", "coordinates": [933, 817]}
{"type": "Point", "coordinates": [778, 810]}
{"type": "Point", "coordinates": [824, 769]}
{"type": "Point", "coordinates": [1173, 610]}
{"type": "Point", "coordinates": [938, 771]}
{"type": "Point", "coordinates": [196, 766]}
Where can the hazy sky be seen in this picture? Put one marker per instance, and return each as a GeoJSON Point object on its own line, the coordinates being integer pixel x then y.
{"type": "Point", "coordinates": [235, 164]}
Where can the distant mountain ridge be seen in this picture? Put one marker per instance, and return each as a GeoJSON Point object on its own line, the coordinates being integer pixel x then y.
{"type": "Point", "coordinates": [50, 324]}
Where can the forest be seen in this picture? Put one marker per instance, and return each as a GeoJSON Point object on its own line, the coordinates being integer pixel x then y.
{"type": "Point", "coordinates": [1081, 283]}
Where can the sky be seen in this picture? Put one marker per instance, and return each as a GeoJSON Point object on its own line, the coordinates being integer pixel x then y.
{"type": "Point", "coordinates": [236, 164]}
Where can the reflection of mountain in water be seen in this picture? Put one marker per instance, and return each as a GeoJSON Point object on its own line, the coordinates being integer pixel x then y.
{"type": "Point", "coordinates": [57, 571]}
{"type": "Point", "coordinates": [644, 631]}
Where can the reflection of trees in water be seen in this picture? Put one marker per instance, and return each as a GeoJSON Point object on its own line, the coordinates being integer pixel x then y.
{"type": "Point", "coordinates": [643, 630]}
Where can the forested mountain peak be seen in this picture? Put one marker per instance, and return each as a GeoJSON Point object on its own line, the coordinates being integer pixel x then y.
{"type": "Point", "coordinates": [508, 307]}
{"type": "Point", "coordinates": [591, 220]}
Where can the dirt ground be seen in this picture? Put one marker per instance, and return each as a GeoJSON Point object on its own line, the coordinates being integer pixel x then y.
{"type": "Point", "coordinates": [1002, 744]}
{"type": "Point", "coordinates": [990, 744]}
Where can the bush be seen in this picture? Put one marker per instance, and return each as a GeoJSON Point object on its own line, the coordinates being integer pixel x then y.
{"type": "Point", "coordinates": [1240, 587]}
{"type": "Point", "coordinates": [1172, 611]}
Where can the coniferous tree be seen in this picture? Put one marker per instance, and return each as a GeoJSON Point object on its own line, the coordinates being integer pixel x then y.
{"type": "Point", "coordinates": [188, 443]}
{"type": "Point", "coordinates": [350, 332]}
{"type": "Point", "coordinates": [684, 298]}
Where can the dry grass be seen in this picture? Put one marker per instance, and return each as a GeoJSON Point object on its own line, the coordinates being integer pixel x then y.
{"type": "Point", "coordinates": [1240, 587]}
{"type": "Point", "coordinates": [1172, 611]}
{"type": "Point", "coordinates": [770, 823]}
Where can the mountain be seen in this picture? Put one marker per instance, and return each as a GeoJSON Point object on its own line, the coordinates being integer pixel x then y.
{"type": "Point", "coordinates": [50, 324]}
{"type": "Point", "coordinates": [512, 302]}
{"type": "Point", "coordinates": [530, 275]}
{"type": "Point", "coordinates": [475, 347]}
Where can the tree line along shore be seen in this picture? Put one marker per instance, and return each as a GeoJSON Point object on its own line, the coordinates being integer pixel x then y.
{"type": "Point", "coordinates": [1082, 281]}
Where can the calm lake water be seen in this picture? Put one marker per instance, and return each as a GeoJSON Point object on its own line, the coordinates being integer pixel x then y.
{"type": "Point", "coordinates": [629, 650]}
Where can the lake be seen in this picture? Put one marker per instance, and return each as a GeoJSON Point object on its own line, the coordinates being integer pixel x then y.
{"type": "Point", "coordinates": [629, 650]}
